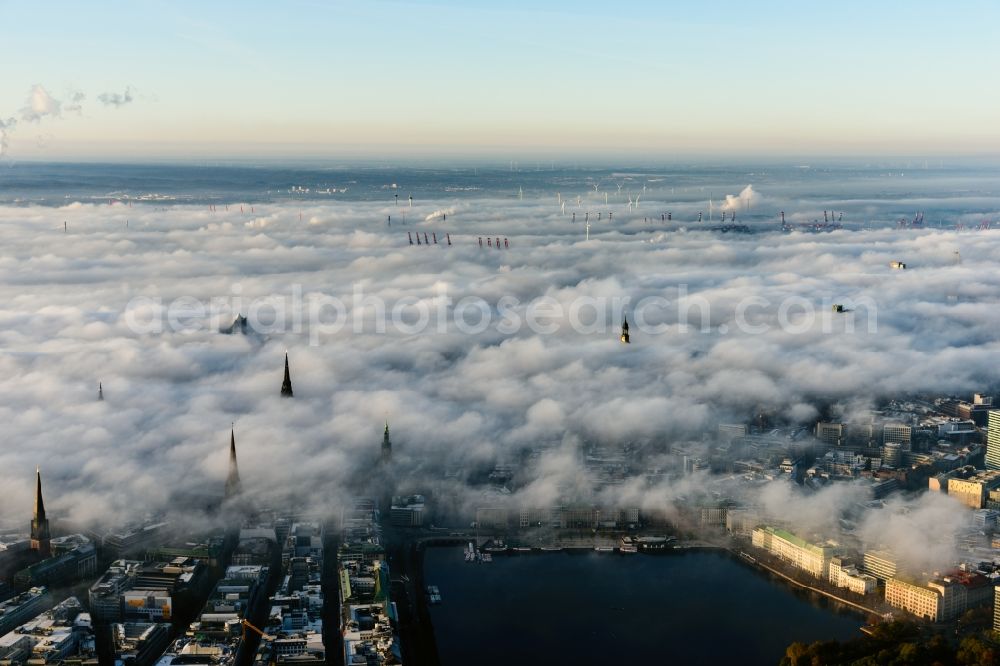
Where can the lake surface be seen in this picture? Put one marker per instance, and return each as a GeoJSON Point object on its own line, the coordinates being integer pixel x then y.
{"type": "Point", "coordinates": [596, 608]}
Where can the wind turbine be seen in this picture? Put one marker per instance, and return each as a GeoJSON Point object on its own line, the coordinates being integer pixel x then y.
{"type": "Point", "coordinates": [588, 230]}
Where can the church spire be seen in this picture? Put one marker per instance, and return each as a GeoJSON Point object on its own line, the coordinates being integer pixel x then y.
{"type": "Point", "coordinates": [386, 444]}
{"type": "Point", "coordinates": [624, 337]}
{"type": "Point", "coordinates": [40, 538]}
{"type": "Point", "coordinates": [233, 486]}
{"type": "Point", "coordinates": [286, 386]}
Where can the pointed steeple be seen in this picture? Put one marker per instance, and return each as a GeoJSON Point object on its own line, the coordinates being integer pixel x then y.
{"type": "Point", "coordinates": [386, 444]}
{"type": "Point", "coordinates": [286, 386]}
{"type": "Point", "coordinates": [40, 538]}
{"type": "Point", "coordinates": [233, 486]}
{"type": "Point", "coordinates": [624, 337]}
{"type": "Point", "coordinates": [100, 391]}
{"type": "Point", "coordinates": [39, 503]}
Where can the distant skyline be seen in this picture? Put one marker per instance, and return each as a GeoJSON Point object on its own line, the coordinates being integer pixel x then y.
{"type": "Point", "coordinates": [402, 79]}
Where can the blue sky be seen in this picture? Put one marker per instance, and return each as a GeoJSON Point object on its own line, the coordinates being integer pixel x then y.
{"type": "Point", "coordinates": [403, 78]}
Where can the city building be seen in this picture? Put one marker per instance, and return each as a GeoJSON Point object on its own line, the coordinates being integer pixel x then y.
{"type": "Point", "coordinates": [892, 454]}
{"type": "Point", "coordinates": [72, 557]}
{"type": "Point", "coordinates": [860, 434]}
{"type": "Point", "coordinates": [996, 609]}
{"type": "Point", "coordinates": [985, 520]}
{"type": "Point", "coordinates": [843, 463]}
{"type": "Point", "coordinates": [132, 539]}
{"type": "Point", "coordinates": [534, 517]}
{"type": "Point", "coordinates": [257, 546]}
{"type": "Point", "coordinates": [407, 511]}
{"type": "Point", "coordinates": [942, 599]}
{"type": "Point", "coordinates": [21, 608]}
{"type": "Point", "coordinates": [899, 433]}
{"type": "Point", "coordinates": [730, 431]}
{"type": "Point", "coordinates": [52, 637]}
{"type": "Point", "coordinates": [973, 489]}
{"type": "Point", "coordinates": [831, 434]}
{"type": "Point", "coordinates": [844, 574]}
{"type": "Point", "coordinates": [993, 439]}
{"type": "Point", "coordinates": [741, 522]}
{"type": "Point", "coordinates": [880, 564]}
{"type": "Point", "coordinates": [796, 551]}
{"type": "Point", "coordinates": [361, 537]}
{"type": "Point", "coordinates": [369, 618]}
{"type": "Point", "coordinates": [209, 551]}
{"type": "Point", "coordinates": [304, 540]}
{"type": "Point", "coordinates": [491, 518]}
{"type": "Point", "coordinates": [959, 433]}
{"type": "Point", "coordinates": [139, 643]}
{"type": "Point", "coordinates": [713, 516]}
{"type": "Point", "coordinates": [579, 517]}
{"type": "Point", "coordinates": [923, 601]}
{"type": "Point", "coordinates": [146, 591]}
{"type": "Point", "coordinates": [105, 595]}
{"type": "Point", "coordinates": [977, 411]}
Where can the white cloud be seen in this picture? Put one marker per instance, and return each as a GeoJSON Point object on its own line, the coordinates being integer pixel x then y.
{"type": "Point", "coordinates": [116, 99]}
{"type": "Point", "coordinates": [40, 104]}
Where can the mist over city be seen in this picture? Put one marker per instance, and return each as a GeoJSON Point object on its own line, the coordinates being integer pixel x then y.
{"type": "Point", "coordinates": [406, 333]}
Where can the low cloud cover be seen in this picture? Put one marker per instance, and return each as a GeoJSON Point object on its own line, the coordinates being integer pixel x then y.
{"type": "Point", "coordinates": [70, 300]}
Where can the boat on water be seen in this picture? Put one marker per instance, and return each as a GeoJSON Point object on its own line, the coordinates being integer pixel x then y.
{"type": "Point", "coordinates": [552, 549]}
{"type": "Point", "coordinates": [497, 546]}
{"type": "Point", "coordinates": [628, 548]}
{"type": "Point", "coordinates": [654, 543]}
{"type": "Point", "coordinates": [604, 549]}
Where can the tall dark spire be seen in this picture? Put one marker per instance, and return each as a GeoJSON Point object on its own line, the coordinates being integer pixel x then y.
{"type": "Point", "coordinates": [386, 444]}
{"type": "Point", "coordinates": [624, 337]}
{"type": "Point", "coordinates": [100, 391]}
{"type": "Point", "coordinates": [40, 538]}
{"type": "Point", "coordinates": [233, 486]}
{"type": "Point", "coordinates": [286, 386]}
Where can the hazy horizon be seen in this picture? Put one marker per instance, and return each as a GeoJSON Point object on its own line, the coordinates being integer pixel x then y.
{"type": "Point", "coordinates": [376, 79]}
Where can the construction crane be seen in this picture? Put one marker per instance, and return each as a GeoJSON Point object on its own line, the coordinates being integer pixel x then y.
{"type": "Point", "coordinates": [248, 625]}
{"type": "Point", "coordinates": [264, 637]}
